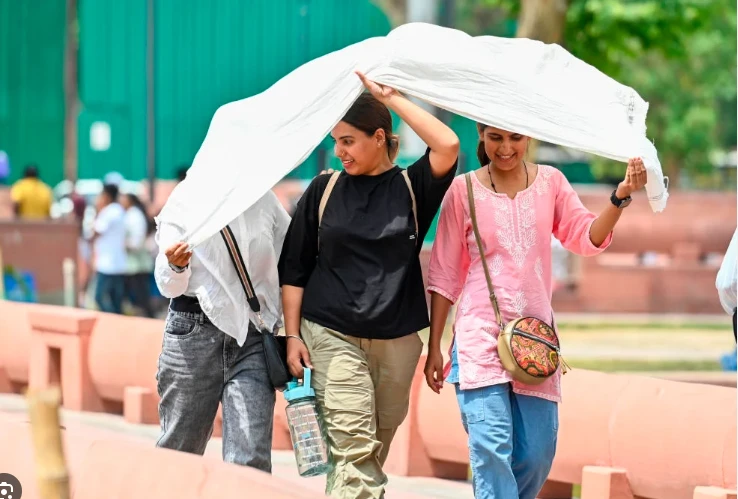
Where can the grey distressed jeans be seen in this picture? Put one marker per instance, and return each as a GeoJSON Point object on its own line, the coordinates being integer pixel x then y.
{"type": "Point", "coordinates": [199, 367]}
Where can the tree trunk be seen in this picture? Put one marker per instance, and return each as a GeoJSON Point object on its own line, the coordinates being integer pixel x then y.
{"type": "Point", "coordinates": [672, 169]}
{"type": "Point", "coordinates": [71, 99]}
{"type": "Point", "coordinates": [396, 10]}
{"type": "Point", "coordinates": [542, 20]}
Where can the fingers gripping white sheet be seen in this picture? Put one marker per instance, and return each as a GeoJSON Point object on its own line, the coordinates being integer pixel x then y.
{"type": "Point", "coordinates": [515, 84]}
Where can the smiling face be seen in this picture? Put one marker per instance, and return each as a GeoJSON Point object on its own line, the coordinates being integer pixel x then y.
{"type": "Point", "coordinates": [363, 138]}
{"type": "Point", "coordinates": [505, 149]}
{"type": "Point", "coordinates": [359, 152]}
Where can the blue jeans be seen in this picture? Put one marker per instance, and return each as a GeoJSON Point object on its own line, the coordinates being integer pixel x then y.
{"type": "Point", "coordinates": [199, 367]}
{"type": "Point", "coordinates": [512, 440]}
{"type": "Point", "coordinates": [109, 292]}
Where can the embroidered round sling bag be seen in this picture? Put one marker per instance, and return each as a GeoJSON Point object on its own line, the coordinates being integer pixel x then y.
{"type": "Point", "coordinates": [528, 347]}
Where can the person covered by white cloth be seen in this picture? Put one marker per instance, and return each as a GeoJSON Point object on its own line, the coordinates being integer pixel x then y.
{"type": "Point", "coordinates": [212, 350]}
{"type": "Point", "coordinates": [726, 280]}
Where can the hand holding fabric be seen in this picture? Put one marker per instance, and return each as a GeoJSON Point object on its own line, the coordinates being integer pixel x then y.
{"type": "Point", "coordinates": [177, 254]}
{"type": "Point", "coordinates": [635, 178]}
{"type": "Point", "coordinates": [382, 93]}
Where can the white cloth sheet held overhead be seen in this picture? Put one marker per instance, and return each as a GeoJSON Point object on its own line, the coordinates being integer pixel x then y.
{"type": "Point", "coordinates": [727, 277]}
{"type": "Point", "coordinates": [515, 84]}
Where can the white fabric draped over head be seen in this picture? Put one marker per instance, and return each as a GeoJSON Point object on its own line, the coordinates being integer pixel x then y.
{"type": "Point", "coordinates": [514, 84]}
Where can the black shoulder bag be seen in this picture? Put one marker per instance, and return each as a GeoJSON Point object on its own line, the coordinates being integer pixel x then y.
{"type": "Point", "coordinates": [275, 346]}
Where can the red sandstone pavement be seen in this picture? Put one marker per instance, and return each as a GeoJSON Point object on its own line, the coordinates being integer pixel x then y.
{"type": "Point", "coordinates": [107, 426]}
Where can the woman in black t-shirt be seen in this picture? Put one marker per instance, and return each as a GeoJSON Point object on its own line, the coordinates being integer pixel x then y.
{"type": "Point", "coordinates": [352, 287]}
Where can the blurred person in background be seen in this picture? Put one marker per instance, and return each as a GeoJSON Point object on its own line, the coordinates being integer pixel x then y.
{"type": "Point", "coordinates": [4, 167]}
{"type": "Point", "coordinates": [84, 251]}
{"type": "Point", "coordinates": [79, 205]}
{"type": "Point", "coordinates": [139, 261]}
{"type": "Point", "coordinates": [726, 280]}
{"type": "Point", "coordinates": [113, 178]}
{"type": "Point", "coordinates": [31, 197]}
{"type": "Point", "coordinates": [109, 251]}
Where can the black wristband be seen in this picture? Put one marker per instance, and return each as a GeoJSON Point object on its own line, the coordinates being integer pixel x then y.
{"type": "Point", "coordinates": [177, 268]}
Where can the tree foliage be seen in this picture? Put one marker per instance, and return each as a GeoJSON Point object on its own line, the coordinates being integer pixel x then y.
{"type": "Point", "coordinates": [680, 55]}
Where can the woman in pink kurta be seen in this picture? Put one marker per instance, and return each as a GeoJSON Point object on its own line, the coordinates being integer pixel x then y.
{"type": "Point", "coordinates": [512, 426]}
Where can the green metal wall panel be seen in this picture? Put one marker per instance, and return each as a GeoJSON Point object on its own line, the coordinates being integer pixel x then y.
{"type": "Point", "coordinates": [112, 86]}
{"type": "Point", "coordinates": [31, 85]}
{"type": "Point", "coordinates": [206, 54]}
{"type": "Point", "coordinates": [209, 56]}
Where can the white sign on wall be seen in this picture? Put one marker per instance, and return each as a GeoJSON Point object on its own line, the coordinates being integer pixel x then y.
{"type": "Point", "coordinates": [100, 136]}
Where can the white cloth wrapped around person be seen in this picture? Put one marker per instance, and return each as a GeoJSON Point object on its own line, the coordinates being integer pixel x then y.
{"type": "Point", "coordinates": [727, 277]}
{"type": "Point", "coordinates": [519, 85]}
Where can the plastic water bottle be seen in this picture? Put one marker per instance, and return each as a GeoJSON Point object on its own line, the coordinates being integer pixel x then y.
{"type": "Point", "coordinates": [307, 430]}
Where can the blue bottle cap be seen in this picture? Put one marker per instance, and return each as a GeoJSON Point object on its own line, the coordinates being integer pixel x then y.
{"type": "Point", "coordinates": [299, 390]}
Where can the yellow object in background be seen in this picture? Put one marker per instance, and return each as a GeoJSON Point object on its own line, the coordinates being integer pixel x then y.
{"type": "Point", "coordinates": [33, 197]}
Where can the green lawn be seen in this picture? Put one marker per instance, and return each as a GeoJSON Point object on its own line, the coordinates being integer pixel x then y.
{"type": "Point", "coordinates": [637, 365]}
{"type": "Point", "coordinates": [645, 326]}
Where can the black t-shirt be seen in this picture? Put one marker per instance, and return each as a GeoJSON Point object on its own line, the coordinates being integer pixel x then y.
{"type": "Point", "coordinates": [365, 280]}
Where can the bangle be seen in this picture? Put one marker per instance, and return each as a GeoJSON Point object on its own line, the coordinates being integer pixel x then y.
{"type": "Point", "coordinates": [297, 337]}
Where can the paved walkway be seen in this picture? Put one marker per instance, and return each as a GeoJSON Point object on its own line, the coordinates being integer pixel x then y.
{"type": "Point", "coordinates": [283, 462]}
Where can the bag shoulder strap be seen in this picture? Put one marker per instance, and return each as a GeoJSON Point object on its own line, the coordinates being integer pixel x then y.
{"type": "Point", "coordinates": [326, 195]}
{"type": "Point", "coordinates": [415, 204]}
{"type": "Point", "coordinates": [324, 200]}
{"type": "Point", "coordinates": [480, 247]}
{"type": "Point", "coordinates": [332, 183]}
{"type": "Point", "coordinates": [235, 253]}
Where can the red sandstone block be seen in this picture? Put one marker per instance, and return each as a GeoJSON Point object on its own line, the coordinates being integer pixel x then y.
{"type": "Point", "coordinates": [121, 469]}
{"type": "Point", "coordinates": [67, 368]}
{"type": "Point", "coordinates": [40, 248]}
{"type": "Point", "coordinates": [60, 340]}
{"type": "Point", "coordinates": [140, 405]}
{"type": "Point", "coordinates": [5, 385]}
{"type": "Point", "coordinates": [599, 482]}
{"type": "Point", "coordinates": [713, 493]}
{"type": "Point", "coordinates": [62, 320]}
{"type": "Point", "coordinates": [555, 490]}
{"type": "Point", "coordinates": [684, 251]}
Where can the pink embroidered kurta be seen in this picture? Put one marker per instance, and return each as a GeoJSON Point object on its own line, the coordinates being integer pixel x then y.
{"type": "Point", "coordinates": [517, 236]}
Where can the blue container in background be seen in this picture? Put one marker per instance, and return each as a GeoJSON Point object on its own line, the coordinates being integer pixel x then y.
{"type": "Point", "coordinates": [728, 361]}
{"type": "Point", "coordinates": [23, 291]}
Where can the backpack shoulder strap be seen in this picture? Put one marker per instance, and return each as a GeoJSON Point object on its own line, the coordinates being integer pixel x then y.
{"type": "Point", "coordinates": [331, 184]}
{"type": "Point", "coordinates": [324, 200]}
{"type": "Point", "coordinates": [415, 204]}
{"type": "Point", "coordinates": [326, 195]}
